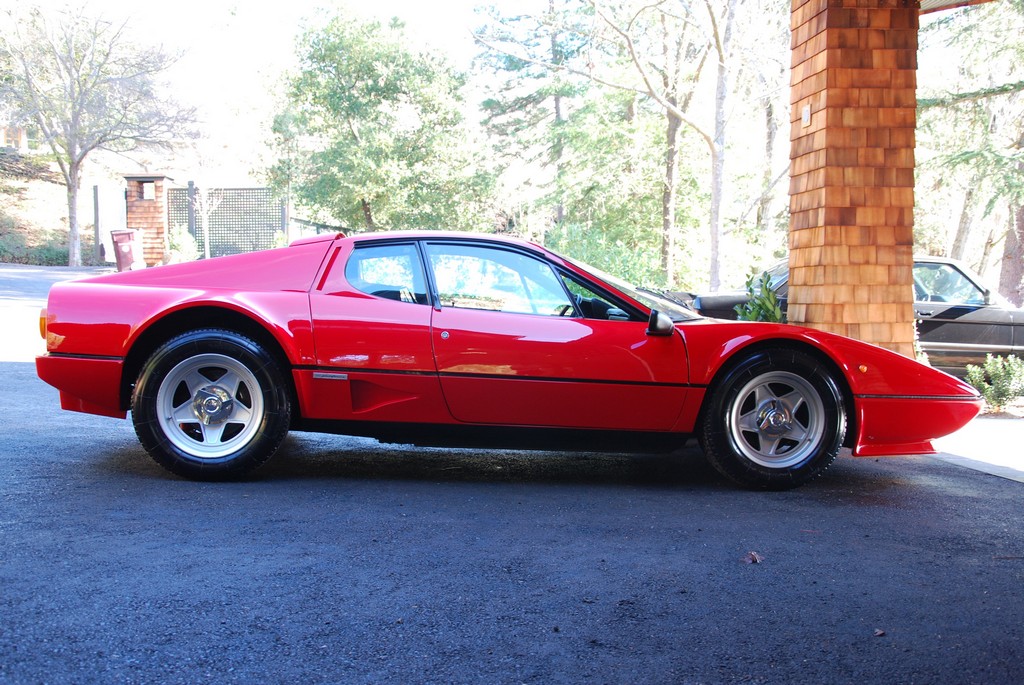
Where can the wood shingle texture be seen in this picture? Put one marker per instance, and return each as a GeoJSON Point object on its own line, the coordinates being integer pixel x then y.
{"type": "Point", "coordinates": [147, 212]}
{"type": "Point", "coordinates": [853, 97]}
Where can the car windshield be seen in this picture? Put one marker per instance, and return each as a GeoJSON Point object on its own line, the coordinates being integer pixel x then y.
{"type": "Point", "coordinates": [649, 298]}
{"type": "Point", "coordinates": [778, 274]}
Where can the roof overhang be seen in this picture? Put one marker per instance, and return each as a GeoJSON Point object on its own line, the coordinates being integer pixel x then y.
{"type": "Point", "coordinates": [938, 5]}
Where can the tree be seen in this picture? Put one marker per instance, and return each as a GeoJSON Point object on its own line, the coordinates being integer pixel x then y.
{"type": "Point", "coordinates": [602, 52]}
{"type": "Point", "coordinates": [685, 60]}
{"type": "Point", "coordinates": [205, 201]}
{"type": "Point", "coordinates": [527, 104]}
{"type": "Point", "coordinates": [974, 126]}
{"type": "Point", "coordinates": [85, 87]}
{"type": "Point", "coordinates": [611, 171]}
{"type": "Point", "coordinates": [373, 135]}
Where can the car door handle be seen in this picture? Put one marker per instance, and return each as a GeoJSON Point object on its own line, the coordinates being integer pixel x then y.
{"type": "Point", "coordinates": [924, 314]}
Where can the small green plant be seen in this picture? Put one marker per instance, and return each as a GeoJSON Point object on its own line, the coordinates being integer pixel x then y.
{"type": "Point", "coordinates": [280, 239]}
{"type": "Point", "coordinates": [1000, 380]}
{"type": "Point", "coordinates": [762, 303]}
{"type": "Point", "coordinates": [182, 245]}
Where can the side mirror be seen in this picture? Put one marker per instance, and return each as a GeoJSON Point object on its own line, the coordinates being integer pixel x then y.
{"type": "Point", "coordinates": [659, 324]}
{"type": "Point", "coordinates": [988, 296]}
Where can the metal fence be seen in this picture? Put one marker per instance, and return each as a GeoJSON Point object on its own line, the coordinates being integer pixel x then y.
{"type": "Point", "coordinates": [239, 219]}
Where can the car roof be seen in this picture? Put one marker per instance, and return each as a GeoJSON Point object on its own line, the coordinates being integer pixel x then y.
{"type": "Point", "coordinates": [415, 235]}
{"type": "Point", "coordinates": [442, 235]}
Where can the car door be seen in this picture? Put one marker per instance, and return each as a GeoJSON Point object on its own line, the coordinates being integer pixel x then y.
{"type": "Point", "coordinates": [958, 323]}
{"type": "Point", "coordinates": [513, 347]}
{"type": "Point", "coordinates": [371, 330]}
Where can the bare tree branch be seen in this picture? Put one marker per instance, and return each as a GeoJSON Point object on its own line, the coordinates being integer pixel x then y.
{"type": "Point", "coordinates": [971, 96]}
{"type": "Point", "coordinates": [85, 87]}
{"type": "Point", "coordinates": [649, 89]}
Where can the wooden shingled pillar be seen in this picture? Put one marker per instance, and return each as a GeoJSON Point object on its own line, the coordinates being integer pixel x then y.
{"type": "Point", "coordinates": [851, 232]}
{"type": "Point", "coordinates": [146, 204]}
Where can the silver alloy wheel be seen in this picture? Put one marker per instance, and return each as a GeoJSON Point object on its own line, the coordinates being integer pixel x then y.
{"type": "Point", "coordinates": [209, 406]}
{"type": "Point", "coordinates": [777, 419]}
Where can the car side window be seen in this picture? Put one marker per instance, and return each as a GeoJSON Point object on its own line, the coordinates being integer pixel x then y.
{"type": "Point", "coordinates": [945, 283]}
{"type": "Point", "coordinates": [478, 277]}
{"type": "Point", "coordinates": [593, 305]}
{"type": "Point", "coordinates": [393, 272]}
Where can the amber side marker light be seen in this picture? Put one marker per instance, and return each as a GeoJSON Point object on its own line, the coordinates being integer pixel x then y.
{"type": "Point", "coordinates": [42, 323]}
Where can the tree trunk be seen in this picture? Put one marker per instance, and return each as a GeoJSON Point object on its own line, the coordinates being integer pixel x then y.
{"type": "Point", "coordinates": [74, 236]}
{"type": "Point", "coordinates": [668, 199]}
{"type": "Point", "coordinates": [368, 215]}
{"type": "Point", "coordinates": [722, 84]}
{"type": "Point", "coordinates": [771, 131]}
{"type": "Point", "coordinates": [986, 252]}
{"type": "Point", "coordinates": [205, 216]}
{"type": "Point", "coordinates": [1011, 275]}
{"type": "Point", "coordinates": [558, 144]}
{"type": "Point", "coordinates": [963, 229]}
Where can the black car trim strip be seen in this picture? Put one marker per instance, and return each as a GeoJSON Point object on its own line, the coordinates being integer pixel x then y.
{"type": "Point", "coordinates": [484, 376]}
{"type": "Point", "coordinates": [348, 369]}
{"type": "Point", "coordinates": [973, 347]}
{"type": "Point", "coordinates": [964, 398]}
{"type": "Point", "coordinates": [498, 376]}
{"type": "Point", "coordinates": [93, 357]}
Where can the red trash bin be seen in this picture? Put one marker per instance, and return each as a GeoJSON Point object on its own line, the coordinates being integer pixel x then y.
{"type": "Point", "coordinates": [127, 250]}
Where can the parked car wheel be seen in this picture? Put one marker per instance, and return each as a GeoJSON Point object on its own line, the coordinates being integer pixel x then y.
{"type": "Point", "coordinates": [774, 421]}
{"type": "Point", "coordinates": [211, 405]}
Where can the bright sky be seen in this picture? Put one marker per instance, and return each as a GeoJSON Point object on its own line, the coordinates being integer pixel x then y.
{"type": "Point", "coordinates": [234, 52]}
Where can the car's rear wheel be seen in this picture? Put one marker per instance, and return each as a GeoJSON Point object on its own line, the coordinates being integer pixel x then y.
{"type": "Point", "coordinates": [211, 405]}
{"type": "Point", "coordinates": [774, 421]}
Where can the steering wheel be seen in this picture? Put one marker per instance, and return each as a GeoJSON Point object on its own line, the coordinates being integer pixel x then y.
{"type": "Point", "coordinates": [569, 309]}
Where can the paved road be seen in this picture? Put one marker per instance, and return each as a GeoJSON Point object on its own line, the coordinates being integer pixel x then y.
{"type": "Point", "coordinates": [23, 291]}
{"type": "Point", "coordinates": [350, 562]}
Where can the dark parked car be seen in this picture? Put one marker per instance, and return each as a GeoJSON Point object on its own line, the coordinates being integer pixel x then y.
{"type": "Point", "coordinates": [960, 320]}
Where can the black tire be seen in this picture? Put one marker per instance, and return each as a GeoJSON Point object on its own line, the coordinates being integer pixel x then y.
{"type": "Point", "coordinates": [211, 405]}
{"type": "Point", "coordinates": [774, 421]}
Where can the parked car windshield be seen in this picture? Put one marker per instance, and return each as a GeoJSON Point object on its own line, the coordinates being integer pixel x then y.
{"type": "Point", "coordinates": [778, 274]}
{"type": "Point", "coordinates": [648, 298]}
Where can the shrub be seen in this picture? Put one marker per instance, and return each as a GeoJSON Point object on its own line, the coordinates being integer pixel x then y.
{"type": "Point", "coordinates": [1000, 380]}
{"type": "Point", "coordinates": [50, 250]}
{"type": "Point", "coordinates": [762, 303]}
{"type": "Point", "coordinates": [182, 245]}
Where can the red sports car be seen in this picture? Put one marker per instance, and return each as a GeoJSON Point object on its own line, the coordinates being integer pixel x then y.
{"type": "Point", "coordinates": [456, 339]}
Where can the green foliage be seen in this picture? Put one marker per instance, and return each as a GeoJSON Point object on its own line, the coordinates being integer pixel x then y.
{"type": "Point", "coordinates": [762, 305]}
{"type": "Point", "coordinates": [629, 253]}
{"type": "Point", "coordinates": [609, 106]}
{"type": "Point", "coordinates": [51, 250]}
{"type": "Point", "coordinates": [182, 244]}
{"type": "Point", "coordinates": [610, 189]}
{"type": "Point", "coordinates": [1000, 380]}
{"type": "Point", "coordinates": [970, 128]}
{"type": "Point", "coordinates": [373, 135]}
{"type": "Point", "coordinates": [530, 95]}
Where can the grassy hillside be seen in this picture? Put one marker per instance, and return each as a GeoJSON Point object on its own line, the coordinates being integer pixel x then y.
{"type": "Point", "coordinates": [33, 214]}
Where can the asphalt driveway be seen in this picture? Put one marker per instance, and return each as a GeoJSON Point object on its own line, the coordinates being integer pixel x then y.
{"type": "Point", "coordinates": [346, 561]}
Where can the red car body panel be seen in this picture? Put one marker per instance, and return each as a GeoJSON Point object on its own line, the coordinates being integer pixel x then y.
{"type": "Point", "coordinates": [357, 357]}
{"type": "Point", "coordinates": [905, 425]}
{"type": "Point", "coordinates": [87, 385]}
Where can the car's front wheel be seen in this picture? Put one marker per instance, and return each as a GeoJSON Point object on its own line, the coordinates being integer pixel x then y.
{"type": "Point", "coordinates": [211, 405]}
{"type": "Point", "coordinates": [774, 421]}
